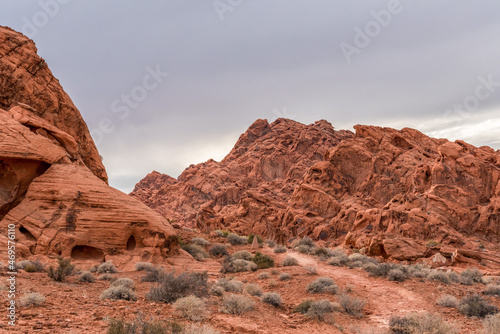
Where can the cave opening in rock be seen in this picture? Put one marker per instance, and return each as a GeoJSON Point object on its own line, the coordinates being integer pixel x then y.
{"type": "Point", "coordinates": [27, 233]}
{"type": "Point", "coordinates": [131, 243]}
{"type": "Point", "coordinates": [81, 252]}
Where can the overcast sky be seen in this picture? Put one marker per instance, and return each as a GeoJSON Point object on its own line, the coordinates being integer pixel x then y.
{"type": "Point", "coordinates": [427, 64]}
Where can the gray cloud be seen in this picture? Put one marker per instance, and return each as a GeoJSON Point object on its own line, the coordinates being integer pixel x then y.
{"type": "Point", "coordinates": [264, 56]}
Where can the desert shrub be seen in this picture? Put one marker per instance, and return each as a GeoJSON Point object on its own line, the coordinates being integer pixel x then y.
{"type": "Point", "coordinates": [447, 301]}
{"type": "Point", "coordinates": [235, 304]}
{"type": "Point", "coordinates": [217, 290]}
{"type": "Point", "coordinates": [125, 282]}
{"type": "Point", "coordinates": [171, 287]}
{"type": "Point", "coordinates": [492, 290]}
{"type": "Point", "coordinates": [355, 264]}
{"type": "Point", "coordinates": [439, 276]}
{"type": "Point", "coordinates": [418, 323]}
{"type": "Point", "coordinates": [418, 271]}
{"type": "Point", "coordinates": [118, 292]}
{"type": "Point", "coordinates": [320, 309]}
{"type": "Point", "coordinates": [396, 275]}
{"type": "Point", "coordinates": [30, 268]}
{"type": "Point", "coordinates": [285, 277]}
{"type": "Point", "coordinates": [230, 265]}
{"type": "Point", "coordinates": [200, 242]}
{"type": "Point", "coordinates": [190, 307]}
{"type": "Point", "coordinates": [454, 277]}
{"type": "Point", "coordinates": [356, 257]}
{"type": "Point", "coordinates": [279, 249]}
{"type": "Point", "coordinates": [305, 241]}
{"type": "Point", "coordinates": [143, 326]}
{"type": "Point", "coordinates": [221, 234]}
{"type": "Point", "coordinates": [263, 261]}
{"type": "Point", "coordinates": [289, 261]}
{"type": "Point", "coordinates": [470, 277]}
{"type": "Point", "coordinates": [381, 270]}
{"type": "Point", "coordinates": [263, 275]}
{"type": "Point", "coordinates": [304, 306]}
{"type": "Point", "coordinates": [253, 289]}
{"type": "Point", "coordinates": [242, 255]}
{"type": "Point", "coordinates": [144, 266]}
{"type": "Point", "coordinates": [303, 249]}
{"type": "Point", "coordinates": [105, 277]}
{"type": "Point", "coordinates": [492, 324]}
{"type": "Point", "coordinates": [476, 306]}
{"type": "Point", "coordinates": [322, 285]}
{"type": "Point", "coordinates": [218, 250]}
{"type": "Point", "coordinates": [352, 305]}
{"type": "Point", "coordinates": [259, 239]}
{"type": "Point", "coordinates": [22, 264]}
{"type": "Point", "coordinates": [230, 285]}
{"type": "Point", "coordinates": [86, 277]}
{"type": "Point", "coordinates": [196, 251]}
{"type": "Point", "coordinates": [154, 275]}
{"type": "Point", "coordinates": [235, 239]}
{"type": "Point", "coordinates": [340, 255]}
{"type": "Point", "coordinates": [272, 298]}
{"type": "Point", "coordinates": [106, 267]}
{"type": "Point", "coordinates": [33, 298]}
{"type": "Point", "coordinates": [322, 253]}
{"type": "Point", "coordinates": [311, 270]}
{"type": "Point", "coordinates": [199, 329]}
{"type": "Point", "coordinates": [64, 269]}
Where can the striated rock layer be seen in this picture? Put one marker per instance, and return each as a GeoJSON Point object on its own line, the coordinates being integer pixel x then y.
{"type": "Point", "coordinates": [396, 194]}
{"type": "Point", "coordinates": [52, 182]}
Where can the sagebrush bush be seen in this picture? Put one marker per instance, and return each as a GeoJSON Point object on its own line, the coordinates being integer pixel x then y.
{"type": "Point", "coordinates": [171, 287]}
{"type": "Point", "coordinates": [190, 307]}
{"type": "Point", "coordinates": [448, 301]}
{"type": "Point", "coordinates": [304, 306]}
{"type": "Point", "coordinates": [272, 298]}
{"type": "Point", "coordinates": [419, 323]}
{"type": "Point", "coordinates": [87, 277]}
{"type": "Point", "coordinates": [235, 239]}
{"type": "Point", "coordinates": [242, 255]}
{"type": "Point", "coordinates": [30, 266]}
{"type": "Point", "coordinates": [143, 326]}
{"type": "Point", "coordinates": [311, 270]}
{"type": "Point", "coordinates": [491, 324]}
{"type": "Point", "coordinates": [285, 277]}
{"type": "Point", "coordinates": [263, 275]}
{"type": "Point", "coordinates": [476, 306]}
{"type": "Point", "coordinates": [144, 266]}
{"type": "Point", "coordinates": [196, 251]}
{"type": "Point", "coordinates": [199, 329]}
{"type": "Point", "coordinates": [236, 304]}
{"type": "Point", "coordinates": [230, 285]}
{"type": "Point", "coordinates": [33, 298]}
{"type": "Point", "coordinates": [118, 292]}
{"type": "Point", "coordinates": [492, 290]}
{"type": "Point", "coordinates": [305, 241]}
{"type": "Point", "coordinates": [303, 249]}
{"type": "Point", "coordinates": [106, 267]}
{"type": "Point", "coordinates": [253, 289]}
{"type": "Point", "coordinates": [319, 309]}
{"type": "Point", "coordinates": [218, 250]}
{"type": "Point", "coordinates": [231, 265]}
{"type": "Point", "coordinates": [200, 242]}
{"type": "Point", "coordinates": [105, 277]}
{"type": "Point", "coordinates": [396, 275]}
{"type": "Point", "coordinates": [289, 261]}
{"type": "Point", "coordinates": [263, 261]}
{"type": "Point", "coordinates": [125, 282]}
{"type": "Point", "coordinates": [322, 285]}
{"type": "Point", "coordinates": [352, 305]}
{"type": "Point", "coordinates": [439, 276]}
{"type": "Point", "coordinates": [153, 275]}
{"type": "Point", "coordinates": [64, 269]}
{"type": "Point", "coordinates": [279, 249]}
{"type": "Point", "coordinates": [380, 270]}
{"type": "Point", "coordinates": [471, 276]}
{"type": "Point", "coordinates": [454, 277]}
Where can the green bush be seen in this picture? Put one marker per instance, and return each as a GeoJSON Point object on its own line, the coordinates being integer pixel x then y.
{"type": "Point", "coordinates": [171, 287]}
{"type": "Point", "coordinates": [263, 261]}
{"type": "Point", "coordinates": [64, 269]}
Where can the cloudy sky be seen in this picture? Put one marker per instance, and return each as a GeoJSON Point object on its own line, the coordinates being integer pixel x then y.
{"type": "Point", "coordinates": [163, 84]}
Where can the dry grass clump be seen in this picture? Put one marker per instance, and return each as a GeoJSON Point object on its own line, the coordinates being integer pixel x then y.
{"type": "Point", "coordinates": [199, 329]}
{"type": "Point", "coordinates": [191, 307]}
{"type": "Point", "coordinates": [232, 265]}
{"type": "Point", "coordinates": [418, 323]}
{"type": "Point", "coordinates": [144, 266]}
{"type": "Point", "coordinates": [289, 261]}
{"type": "Point", "coordinates": [311, 270]}
{"type": "Point", "coordinates": [153, 275]}
{"type": "Point", "coordinates": [253, 289]}
{"type": "Point", "coordinates": [352, 305]}
{"type": "Point", "coordinates": [171, 287]}
{"type": "Point", "coordinates": [86, 277]}
{"type": "Point", "coordinates": [448, 301]}
{"type": "Point", "coordinates": [118, 292]}
{"type": "Point", "coordinates": [272, 298]}
{"type": "Point", "coordinates": [33, 298]}
{"type": "Point", "coordinates": [236, 304]}
{"type": "Point", "coordinates": [322, 285]}
{"type": "Point", "coordinates": [30, 266]}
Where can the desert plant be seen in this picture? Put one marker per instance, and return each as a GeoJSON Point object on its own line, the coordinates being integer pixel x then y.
{"type": "Point", "coordinates": [447, 301]}
{"type": "Point", "coordinates": [289, 261]}
{"type": "Point", "coordinates": [263, 275]}
{"type": "Point", "coordinates": [230, 285]}
{"type": "Point", "coordinates": [311, 270]}
{"type": "Point", "coordinates": [253, 289]}
{"type": "Point", "coordinates": [272, 298]}
{"type": "Point", "coordinates": [305, 241]}
{"type": "Point", "coordinates": [230, 265]}
{"type": "Point", "coordinates": [475, 306]}
{"type": "Point", "coordinates": [235, 239]}
{"type": "Point", "coordinates": [87, 277]}
{"type": "Point", "coordinates": [285, 277]}
{"type": "Point", "coordinates": [190, 307]}
{"type": "Point", "coordinates": [279, 249]}
{"type": "Point", "coordinates": [235, 304]}
{"type": "Point", "coordinates": [171, 287]}
{"type": "Point", "coordinates": [492, 324]}
{"type": "Point", "coordinates": [144, 266]}
{"type": "Point", "coordinates": [263, 261]}
{"type": "Point", "coordinates": [320, 309]}
{"type": "Point", "coordinates": [322, 285]}
{"type": "Point", "coordinates": [125, 282]}
{"type": "Point", "coordinates": [471, 276]}
{"type": "Point", "coordinates": [352, 305]}
{"type": "Point", "coordinates": [303, 249]}
{"type": "Point", "coordinates": [304, 306]}
{"type": "Point", "coordinates": [106, 267]}
{"type": "Point", "coordinates": [143, 326]}
{"type": "Point", "coordinates": [418, 323]}
{"type": "Point", "coordinates": [64, 269]}
{"type": "Point", "coordinates": [380, 270]}
{"type": "Point", "coordinates": [218, 250]}
{"type": "Point", "coordinates": [439, 276]}
{"type": "Point", "coordinates": [118, 292]}
{"type": "Point", "coordinates": [242, 255]}
{"type": "Point", "coordinates": [196, 251]}
{"type": "Point", "coordinates": [199, 329]}
{"type": "Point", "coordinates": [200, 242]}
{"type": "Point", "coordinates": [33, 298]}
{"type": "Point", "coordinates": [153, 275]}
{"type": "Point", "coordinates": [106, 277]}
{"type": "Point", "coordinates": [396, 275]}
{"type": "Point", "coordinates": [492, 290]}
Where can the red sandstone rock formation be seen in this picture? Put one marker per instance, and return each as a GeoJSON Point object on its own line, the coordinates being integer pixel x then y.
{"type": "Point", "coordinates": [52, 182]}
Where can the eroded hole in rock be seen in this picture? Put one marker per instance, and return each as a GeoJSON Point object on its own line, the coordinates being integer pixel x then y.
{"type": "Point", "coordinates": [27, 233]}
{"type": "Point", "coordinates": [86, 253]}
{"type": "Point", "coordinates": [131, 243]}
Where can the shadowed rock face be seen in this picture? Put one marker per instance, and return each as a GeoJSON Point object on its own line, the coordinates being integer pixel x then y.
{"type": "Point", "coordinates": [383, 190]}
{"type": "Point", "coordinates": [52, 182]}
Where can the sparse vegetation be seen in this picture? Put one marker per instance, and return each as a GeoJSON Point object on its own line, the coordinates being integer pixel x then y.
{"type": "Point", "coordinates": [263, 261]}
{"type": "Point", "coordinates": [396, 275]}
{"type": "Point", "coordinates": [322, 285]}
{"type": "Point", "coordinates": [144, 266]}
{"type": "Point", "coordinates": [285, 277]}
{"type": "Point", "coordinates": [305, 241]}
{"type": "Point", "coordinates": [86, 277]}
{"type": "Point", "coordinates": [476, 306]}
{"type": "Point", "coordinates": [279, 249]}
{"type": "Point", "coordinates": [196, 251]}
{"type": "Point", "coordinates": [352, 305]}
{"type": "Point", "coordinates": [200, 242]}
{"type": "Point", "coordinates": [264, 275]}
{"type": "Point", "coordinates": [319, 309]}
{"type": "Point", "coordinates": [448, 301]}
{"type": "Point", "coordinates": [64, 269]}
{"type": "Point", "coordinates": [106, 267]}
{"type": "Point", "coordinates": [190, 307]}
{"type": "Point", "coordinates": [271, 243]}
{"type": "Point", "coordinates": [218, 250]}
{"type": "Point", "coordinates": [125, 282]}
{"type": "Point", "coordinates": [289, 261]}
{"type": "Point", "coordinates": [253, 289]}
{"type": "Point", "coordinates": [418, 323]}
{"type": "Point", "coordinates": [235, 304]}
{"type": "Point", "coordinates": [118, 292]}
{"type": "Point", "coordinates": [471, 277]}
{"type": "Point", "coordinates": [231, 265]}
{"type": "Point", "coordinates": [199, 329]}
{"type": "Point", "coordinates": [143, 326]}
{"type": "Point", "coordinates": [311, 270]}
{"type": "Point", "coordinates": [242, 255]}
{"type": "Point", "coordinates": [492, 324]}
{"type": "Point", "coordinates": [304, 249]}
{"type": "Point", "coordinates": [33, 298]}
{"type": "Point", "coordinates": [235, 239]}
{"type": "Point", "coordinates": [272, 298]}
{"type": "Point", "coordinates": [105, 277]}
{"type": "Point", "coordinates": [171, 287]}
{"type": "Point", "coordinates": [304, 306]}
{"type": "Point", "coordinates": [154, 275]}
{"type": "Point", "coordinates": [439, 276]}
{"type": "Point", "coordinates": [230, 285]}
{"type": "Point", "coordinates": [492, 290]}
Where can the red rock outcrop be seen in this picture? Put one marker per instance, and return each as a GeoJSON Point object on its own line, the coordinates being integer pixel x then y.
{"type": "Point", "coordinates": [388, 192]}
{"type": "Point", "coordinates": [52, 182]}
